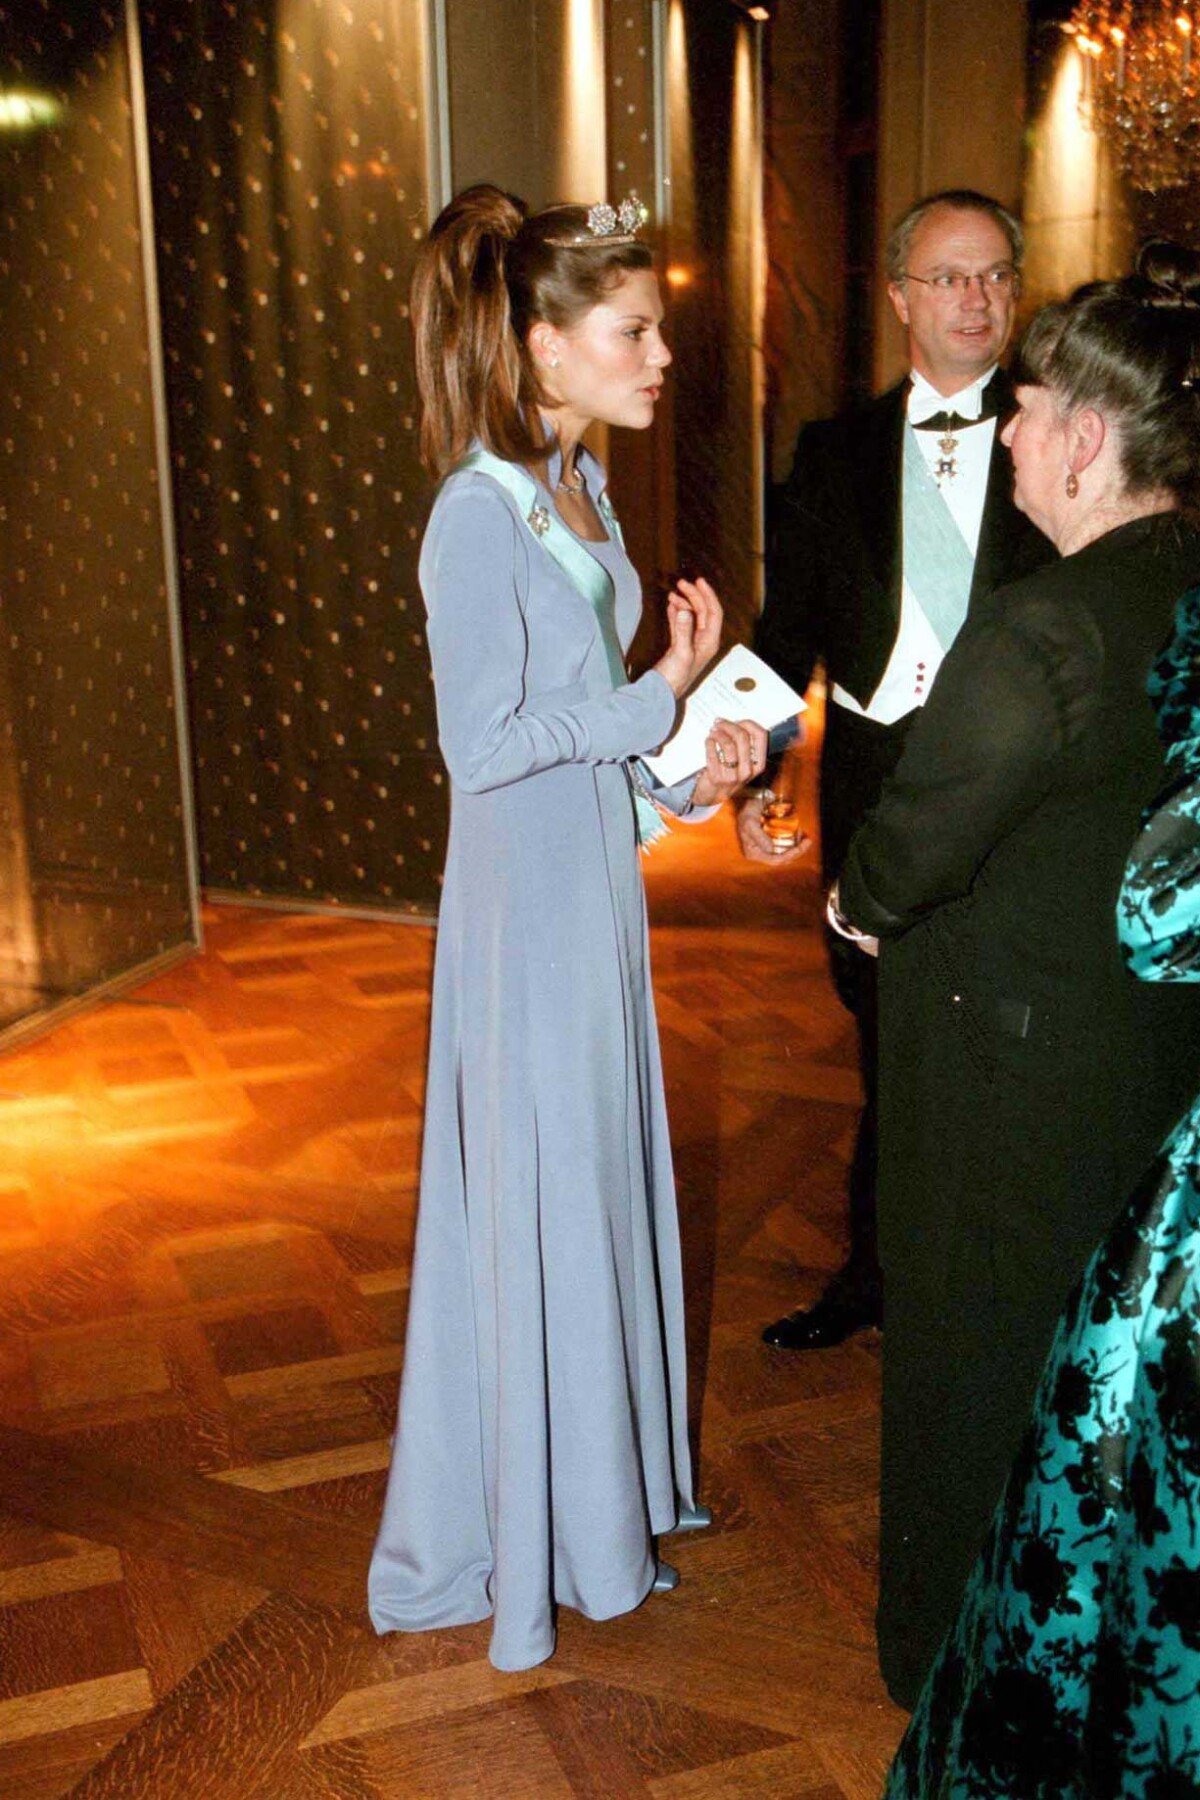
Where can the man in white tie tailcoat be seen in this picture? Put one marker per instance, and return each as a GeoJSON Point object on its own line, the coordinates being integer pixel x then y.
{"type": "Point", "coordinates": [896, 518]}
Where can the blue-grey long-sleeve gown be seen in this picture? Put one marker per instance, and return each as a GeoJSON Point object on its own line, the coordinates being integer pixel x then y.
{"type": "Point", "coordinates": [542, 1436]}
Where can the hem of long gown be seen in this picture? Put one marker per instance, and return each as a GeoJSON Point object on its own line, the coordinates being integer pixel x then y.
{"type": "Point", "coordinates": [462, 1602]}
{"type": "Point", "coordinates": [615, 1609]}
{"type": "Point", "coordinates": [453, 1610]}
{"type": "Point", "coordinates": [512, 1665]}
{"type": "Point", "coordinates": [508, 1662]}
{"type": "Point", "coordinates": [599, 1611]}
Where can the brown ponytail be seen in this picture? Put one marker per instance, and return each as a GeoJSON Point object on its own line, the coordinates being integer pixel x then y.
{"type": "Point", "coordinates": [468, 365]}
{"type": "Point", "coordinates": [484, 275]}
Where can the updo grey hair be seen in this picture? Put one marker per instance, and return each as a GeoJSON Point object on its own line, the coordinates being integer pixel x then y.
{"type": "Point", "coordinates": [1131, 350]}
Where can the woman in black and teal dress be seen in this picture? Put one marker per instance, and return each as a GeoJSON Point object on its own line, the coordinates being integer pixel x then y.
{"type": "Point", "coordinates": [1074, 1668]}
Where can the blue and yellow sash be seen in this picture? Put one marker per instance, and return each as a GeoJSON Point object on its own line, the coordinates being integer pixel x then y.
{"type": "Point", "coordinates": [938, 566]}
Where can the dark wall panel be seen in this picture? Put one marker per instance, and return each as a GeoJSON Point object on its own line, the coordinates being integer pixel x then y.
{"type": "Point", "coordinates": [712, 90]}
{"type": "Point", "coordinates": [95, 872]}
{"type": "Point", "coordinates": [289, 157]}
{"type": "Point", "coordinates": [641, 463]}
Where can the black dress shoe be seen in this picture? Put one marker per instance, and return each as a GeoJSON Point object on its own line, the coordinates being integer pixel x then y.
{"type": "Point", "coordinates": [835, 1317]}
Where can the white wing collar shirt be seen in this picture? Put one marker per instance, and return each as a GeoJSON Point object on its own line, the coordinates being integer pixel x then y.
{"type": "Point", "coordinates": [917, 654]}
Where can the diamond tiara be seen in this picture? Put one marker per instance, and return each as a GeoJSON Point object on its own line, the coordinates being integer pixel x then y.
{"type": "Point", "coordinates": [607, 226]}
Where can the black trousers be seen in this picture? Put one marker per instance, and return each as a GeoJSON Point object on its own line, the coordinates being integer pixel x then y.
{"type": "Point", "coordinates": [857, 758]}
{"type": "Point", "coordinates": [854, 976]}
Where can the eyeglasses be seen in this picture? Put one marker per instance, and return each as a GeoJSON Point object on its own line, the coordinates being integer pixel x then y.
{"type": "Point", "coordinates": [1002, 280]}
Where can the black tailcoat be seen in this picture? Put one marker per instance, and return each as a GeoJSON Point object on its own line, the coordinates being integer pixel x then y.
{"type": "Point", "coordinates": [835, 583]}
{"type": "Point", "coordinates": [834, 594]}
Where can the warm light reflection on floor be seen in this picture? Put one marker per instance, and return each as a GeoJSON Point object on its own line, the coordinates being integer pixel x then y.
{"type": "Point", "coordinates": [222, 1046]}
{"type": "Point", "coordinates": [207, 1198]}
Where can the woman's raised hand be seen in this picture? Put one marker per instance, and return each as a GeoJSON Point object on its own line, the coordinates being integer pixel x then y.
{"type": "Point", "coordinates": [694, 617]}
{"type": "Point", "coordinates": [734, 752]}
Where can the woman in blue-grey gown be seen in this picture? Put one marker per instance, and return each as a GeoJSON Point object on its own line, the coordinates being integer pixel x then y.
{"type": "Point", "coordinates": [542, 1439]}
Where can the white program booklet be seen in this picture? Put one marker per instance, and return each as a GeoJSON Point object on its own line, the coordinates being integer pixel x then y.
{"type": "Point", "coordinates": [740, 686]}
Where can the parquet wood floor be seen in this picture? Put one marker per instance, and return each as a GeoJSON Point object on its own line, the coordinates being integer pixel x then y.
{"type": "Point", "coordinates": [206, 1209]}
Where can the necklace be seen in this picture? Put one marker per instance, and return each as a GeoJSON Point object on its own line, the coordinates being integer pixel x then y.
{"type": "Point", "coordinates": [571, 487]}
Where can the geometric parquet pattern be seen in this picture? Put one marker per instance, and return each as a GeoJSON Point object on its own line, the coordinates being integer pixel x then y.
{"type": "Point", "coordinates": [206, 1211]}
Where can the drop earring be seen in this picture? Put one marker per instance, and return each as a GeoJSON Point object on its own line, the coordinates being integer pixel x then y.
{"type": "Point", "coordinates": [1072, 485]}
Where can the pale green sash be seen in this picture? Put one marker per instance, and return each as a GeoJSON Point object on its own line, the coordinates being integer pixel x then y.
{"type": "Point", "coordinates": [938, 566]}
{"type": "Point", "coordinates": [586, 574]}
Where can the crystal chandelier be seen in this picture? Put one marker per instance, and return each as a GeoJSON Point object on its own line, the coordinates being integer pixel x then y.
{"type": "Point", "coordinates": [1140, 88]}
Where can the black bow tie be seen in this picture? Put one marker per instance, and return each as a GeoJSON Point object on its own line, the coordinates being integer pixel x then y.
{"type": "Point", "coordinates": [953, 422]}
{"type": "Point", "coordinates": [989, 408]}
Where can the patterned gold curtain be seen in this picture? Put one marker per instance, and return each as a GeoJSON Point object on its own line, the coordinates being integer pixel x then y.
{"type": "Point", "coordinates": [94, 869]}
{"type": "Point", "coordinates": [288, 150]}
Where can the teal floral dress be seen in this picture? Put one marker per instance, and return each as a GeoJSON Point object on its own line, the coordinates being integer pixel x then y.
{"type": "Point", "coordinates": [1073, 1672]}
